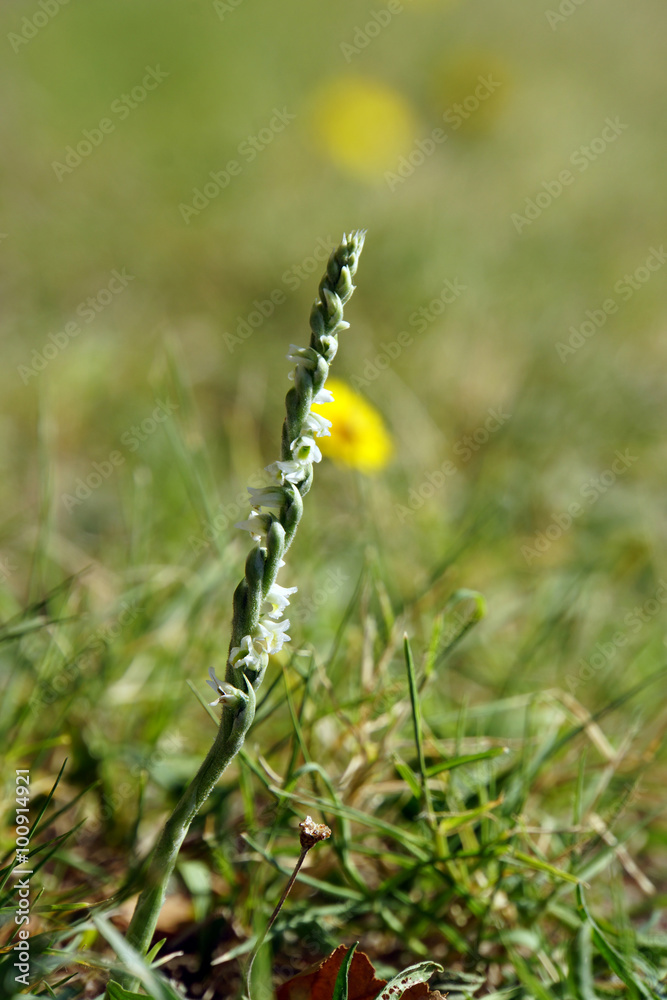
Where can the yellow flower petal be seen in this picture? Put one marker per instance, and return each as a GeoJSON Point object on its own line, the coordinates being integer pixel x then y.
{"type": "Point", "coordinates": [363, 125]}
{"type": "Point", "coordinates": [358, 434]}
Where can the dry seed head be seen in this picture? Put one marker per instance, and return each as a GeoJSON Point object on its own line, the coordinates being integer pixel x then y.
{"type": "Point", "coordinates": [312, 833]}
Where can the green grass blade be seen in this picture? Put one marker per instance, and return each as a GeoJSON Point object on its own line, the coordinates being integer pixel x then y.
{"type": "Point", "coordinates": [408, 776]}
{"type": "Point", "coordinates": [341, 985]}
{"type": "Point", "coordinates": [614, 959]}
{"type": "Point", "coordinates": [135, 963]}
{"type": "Point", "coordinates": [469, 758]}
{"type": "Point", "coordinates": [541, 866]}
{"type": "Point", "coordinates": [580, 972]}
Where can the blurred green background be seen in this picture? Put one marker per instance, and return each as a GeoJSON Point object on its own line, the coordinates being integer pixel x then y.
{"type": "Point", "coordinates": [339, 109]}
{"type": "Point", "coordinates": [361, 98]}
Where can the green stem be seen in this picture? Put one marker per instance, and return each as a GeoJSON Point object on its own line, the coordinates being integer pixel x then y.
{"type": "Point", "coordinates": [224, 749]}
{"type": "Point", "coordinates": [326, 322]}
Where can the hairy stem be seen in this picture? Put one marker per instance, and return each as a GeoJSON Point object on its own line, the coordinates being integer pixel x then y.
{"type": "Point", "coordinates": [262, 564]}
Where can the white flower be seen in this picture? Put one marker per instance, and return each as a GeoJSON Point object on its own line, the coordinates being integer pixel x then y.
{"type": "Point", "coordinates": [323, 396]}
{"type": "Point", "coordinates": [266, 496]}
{"type": "Point", "coordinates": [254, 651]}
{"type": "Point", "coordinates": [290, 471]}
{"type": "Point", "coordinates": [318, 425]}
{"type": "Point", "coordinates": [275, 473]}
{"type": "Point", "coordinates": [227, 693]}
{"type": "Point", "coordinates": [257, 524]}
{"type": "Point", "coordinates": [304, 449]}
{"type": "Point", "coordinates": [295, 470]}
{"type": "Point", "coordinates": [305, 356]}
{"type": "Point", "coordinates": [249, 654]}
{"type": "Point", "coordinates": [277, 600]}
{"type": "Point", "coordinates": [273, 635]}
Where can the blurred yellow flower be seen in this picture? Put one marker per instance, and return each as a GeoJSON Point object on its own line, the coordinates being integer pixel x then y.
{"type": "Point", "coordinates": [363, 125]}
{"type": "Point", "coordinates": [358, 434]}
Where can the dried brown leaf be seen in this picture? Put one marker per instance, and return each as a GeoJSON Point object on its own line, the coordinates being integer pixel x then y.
{"type": "Point", "coordinates": [317, 982]}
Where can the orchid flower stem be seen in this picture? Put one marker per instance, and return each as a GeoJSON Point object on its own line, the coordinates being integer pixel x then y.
{"type": "Point", "coordinates": [255, 631]}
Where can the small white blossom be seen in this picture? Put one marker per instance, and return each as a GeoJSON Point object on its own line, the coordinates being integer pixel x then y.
{"type": "Point", "coordinates": [275, 473]}
{"type": "Point", "coordinates": [266, 496]}
{"type": "Point", "coordinates": [257, 524]}
{"type": "Point", "coordinates": [277, 600]}
{"type": "Point", "coordinates": [323, 396]}
{"type": "Point", "coordinates": [273, 635]}
{"type": "Point", "coordinates": [290, 471]}
{"type": "Point", "coordinates": [249, 654]}
{"type": "Point", "coordinates": [227, 693]}
{"type": "Point", "coordinates": [304, 449]}
{"type": "Point", "coordinates": [305, 356]}
{"type": "Point", "coordinates": [318, 425]}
